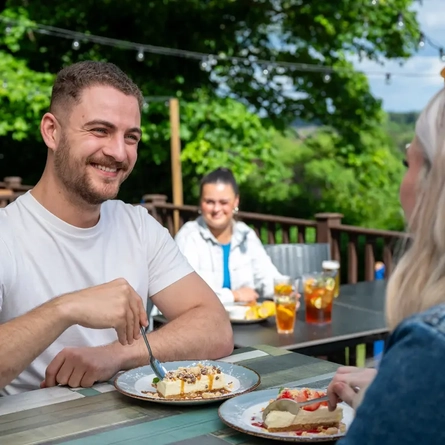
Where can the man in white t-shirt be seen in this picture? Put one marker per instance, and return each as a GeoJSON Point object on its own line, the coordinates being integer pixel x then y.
{"type": "Point", "coordinates": [76, 266]}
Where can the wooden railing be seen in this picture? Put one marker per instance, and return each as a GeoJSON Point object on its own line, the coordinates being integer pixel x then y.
{"type": "Point", "coordinates": [10, 188]}
{"type": "Point", "coordinates": [357, 248]}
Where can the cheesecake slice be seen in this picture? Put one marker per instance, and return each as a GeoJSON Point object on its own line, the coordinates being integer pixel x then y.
{"type": "Point", "coordinates": [314, 418]}
{"type": "Point", "coordinates": [192, 382]}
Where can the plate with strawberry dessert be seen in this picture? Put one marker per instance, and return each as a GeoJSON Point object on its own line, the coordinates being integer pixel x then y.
{"type": "Point", "coordinates": [312, 423]}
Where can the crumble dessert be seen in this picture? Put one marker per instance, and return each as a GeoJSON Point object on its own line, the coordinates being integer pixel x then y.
{"type": "Point", "coordinates": [199, 381]}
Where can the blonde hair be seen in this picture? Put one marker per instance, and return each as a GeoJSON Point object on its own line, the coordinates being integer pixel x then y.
{"type": "Point", "coordinates": [418, 281]}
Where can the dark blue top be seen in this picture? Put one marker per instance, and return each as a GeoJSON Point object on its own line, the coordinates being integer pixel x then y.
{"type": "Point", "coordinates": [405, 403]}
{"type": "Point", "coordinates": [226, 272]}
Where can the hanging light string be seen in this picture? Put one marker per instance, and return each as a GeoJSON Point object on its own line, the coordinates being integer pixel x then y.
{"type": "Point", "coordinates": [208, 60]}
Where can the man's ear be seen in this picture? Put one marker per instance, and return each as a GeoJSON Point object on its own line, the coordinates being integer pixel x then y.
{"type": "Point", "coordinates": [50, 130]}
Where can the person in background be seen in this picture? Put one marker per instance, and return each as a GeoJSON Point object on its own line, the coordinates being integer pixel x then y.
{"type": "Point", "coordinates": [226, 253]}
{"type": "Point", "coordinates": [401, 402]}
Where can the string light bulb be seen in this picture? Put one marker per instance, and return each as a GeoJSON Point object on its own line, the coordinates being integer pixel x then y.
{"type": "Point", "coordinates": [207, 60]}
{"type": "Point", "coordinates": [388, 78]}
{"type": "Point", "coordinates": [326, 78]}
{"type": "Point", "coordinates": [374, 2]}
{"type": "Point", "coordinates": [400, 22]}
{"type": "Point", "coordinates": [140, 56]}
{"type": "Point", "coordinates": [442, 55]}
{"type": "Point", "coordinates": [422, 40]}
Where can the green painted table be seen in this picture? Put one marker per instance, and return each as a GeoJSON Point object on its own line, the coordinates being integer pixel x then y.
{"type": "Point", "coordinates": [101, 416]}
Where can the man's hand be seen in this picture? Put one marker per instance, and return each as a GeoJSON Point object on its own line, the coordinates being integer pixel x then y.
{"type": "Point", "coordinates": [77, 367]}
{"type": "Point", "coordinates": [348, 385]}
{"type": "Point", "coordinates": [245, 294]}
{"type": "Point", "coordinates": [112, 305]}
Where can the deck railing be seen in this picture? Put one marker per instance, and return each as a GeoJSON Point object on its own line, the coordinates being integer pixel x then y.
{"type": "Point", "coordinates": [357, 248]}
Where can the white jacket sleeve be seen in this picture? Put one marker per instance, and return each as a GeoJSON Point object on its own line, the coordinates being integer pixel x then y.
{"type": "Point", "coordinates": [264, 270]}
{"type": "Point", "coordinates": [192, 252]}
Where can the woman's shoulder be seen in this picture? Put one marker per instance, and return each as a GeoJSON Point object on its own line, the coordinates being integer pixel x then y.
{"type": "Point", "coordinates": [242, 228]}
{"type": "Point", "coordinates": [429, 323]}
{"type": "Point", "coordinates": [188, 229]}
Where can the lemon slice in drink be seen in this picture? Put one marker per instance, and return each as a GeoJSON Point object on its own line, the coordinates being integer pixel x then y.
{"type": "Point", "coordinates": [330, 284]}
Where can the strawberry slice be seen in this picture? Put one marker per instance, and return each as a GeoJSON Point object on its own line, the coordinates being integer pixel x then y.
{"type": "Point", "coordinates": [312, 407]}
{"type": "Point", "coordinates": [285, 394]}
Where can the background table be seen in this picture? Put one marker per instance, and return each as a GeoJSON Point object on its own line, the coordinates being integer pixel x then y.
{"type": "Point", "coordinates": [358, 318]}
{"type": "Point", "coordinates": [102, 416]}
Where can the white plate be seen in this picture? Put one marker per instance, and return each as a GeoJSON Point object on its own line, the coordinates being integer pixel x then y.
{"type": "Point", "coordinates": [241, 413]}
{"type": "Point", "coordinates": [132, 383]}
{"type": "Point", "coordinates": [237, 314]}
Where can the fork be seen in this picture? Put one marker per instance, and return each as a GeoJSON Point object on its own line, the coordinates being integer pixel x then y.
{"type": "Point", "coordinates": [156, 365]}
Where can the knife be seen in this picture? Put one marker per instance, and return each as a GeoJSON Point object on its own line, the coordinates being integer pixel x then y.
{"type": "Point", "coordinates": [290, 405]}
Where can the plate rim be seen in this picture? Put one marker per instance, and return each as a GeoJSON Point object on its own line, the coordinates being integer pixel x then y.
{"type": "Point", "coordinates": [189, 401]}
{"type": "Point", "coordinates": [244, 321]}
{"type": "Point", "coordinates": [267, 435]}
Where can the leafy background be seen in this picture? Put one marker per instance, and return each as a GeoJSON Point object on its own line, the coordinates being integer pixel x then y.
{"type": "Point", "coordinates": [296, 143]}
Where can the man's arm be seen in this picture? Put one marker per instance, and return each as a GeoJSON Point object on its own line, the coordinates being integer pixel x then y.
{"type": "Point", "coordinates": [198, 328]}
{"type": "Point", "coordinates": [111, 305]}
{"type": "Point", "coordinates": [26, 337]}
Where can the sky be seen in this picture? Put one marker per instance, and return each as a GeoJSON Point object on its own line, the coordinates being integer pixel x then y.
{"type": "Point", "coordinates": [413, 93]}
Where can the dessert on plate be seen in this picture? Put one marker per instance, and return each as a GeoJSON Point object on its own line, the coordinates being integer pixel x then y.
{"type": "Point", "coordinates": [199, 381]}
{"type": "Point", "coordinates": [315, 418]}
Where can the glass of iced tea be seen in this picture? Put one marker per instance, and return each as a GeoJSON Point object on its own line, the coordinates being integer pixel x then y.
{"type": "Point", "coordinates": [333, 267]}
{"type": "Point", "coordinates": [319, 290]}
{"type": "Point", "coordinates": [285, 305]}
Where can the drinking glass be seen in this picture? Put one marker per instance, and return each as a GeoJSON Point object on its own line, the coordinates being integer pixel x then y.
{"type": "Point", "coordinates": [318, 296]}
{"type": "Point", "coordinates": [285, 305]}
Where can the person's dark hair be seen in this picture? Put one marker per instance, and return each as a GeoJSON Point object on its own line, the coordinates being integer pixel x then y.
{"type": "Point", "coordinates": [219, 176]}
{"type": "Point", "coordinates": [73, 79]}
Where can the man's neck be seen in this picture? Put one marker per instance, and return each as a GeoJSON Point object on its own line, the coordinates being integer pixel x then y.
{"type": "Point", "coordinates": [53, 196]}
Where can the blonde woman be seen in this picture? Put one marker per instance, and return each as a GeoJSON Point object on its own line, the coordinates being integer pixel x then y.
{"type": "Point", "coordinates": [404, 400]}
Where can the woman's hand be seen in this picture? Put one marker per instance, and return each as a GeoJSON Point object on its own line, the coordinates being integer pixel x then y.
{"type": "Point", "coordinates": [348, 385]}
{"type": "Point", "coordinates": [245, 294]}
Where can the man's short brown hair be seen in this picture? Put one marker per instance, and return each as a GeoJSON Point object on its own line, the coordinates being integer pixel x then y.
{"type": "Point", "coordinates": [73, 79]}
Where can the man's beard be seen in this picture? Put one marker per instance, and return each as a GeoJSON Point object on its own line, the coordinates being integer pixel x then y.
{"type": "Point", "coordinates": [74, 175]}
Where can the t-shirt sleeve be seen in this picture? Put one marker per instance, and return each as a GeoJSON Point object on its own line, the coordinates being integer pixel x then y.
{"type": "Point", "coordinates": [6, 270]}
{"type": "Point", "coordinates": [166, 264]}
{"type": "Point", "coordinates": [403, 404]}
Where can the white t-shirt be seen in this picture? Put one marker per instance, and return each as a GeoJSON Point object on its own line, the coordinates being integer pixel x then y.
{"type": "Point", "coordinates": [42, 257]}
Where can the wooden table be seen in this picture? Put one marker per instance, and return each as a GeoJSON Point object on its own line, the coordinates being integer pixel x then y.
{"type": "Point", "coordinates": [101, 416]}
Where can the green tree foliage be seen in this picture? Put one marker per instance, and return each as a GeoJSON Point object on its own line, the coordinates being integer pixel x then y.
{"type": "Point", "coordinates": [400, 128]}
{"type": "Point", "coordinates": [324, 175]}
{"type": "Point", "coordinates": [214, 129]}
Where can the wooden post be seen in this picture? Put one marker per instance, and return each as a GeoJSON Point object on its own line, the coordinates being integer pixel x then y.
{"type": "Point", "coordinates": [175, 147]}
{"type": "Point", "coordinates": [151, 202]}
{"type": "Point", "coordinates": [324, 223]}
